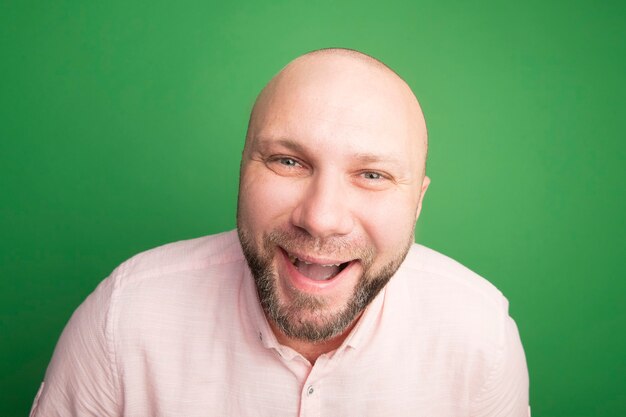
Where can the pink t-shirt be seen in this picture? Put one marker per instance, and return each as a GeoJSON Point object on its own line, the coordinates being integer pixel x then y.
{"type": "Point", "coordinates": [178, 331]}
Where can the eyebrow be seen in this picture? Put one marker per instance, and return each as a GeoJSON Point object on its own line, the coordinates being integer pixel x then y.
{"type": "Point", "coordinates": [373, 158]}
{"type": "Point", "coordinates": [290, 144]}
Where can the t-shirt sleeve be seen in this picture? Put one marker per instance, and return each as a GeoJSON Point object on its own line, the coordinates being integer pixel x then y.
{"type": "Point", "coordinates": [505, 392]}
{"type": "Point", "coordinates": [81, 379]}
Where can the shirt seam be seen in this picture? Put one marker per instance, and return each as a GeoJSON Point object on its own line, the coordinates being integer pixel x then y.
{"type": "Point", "coordinates": [111, 319]}
{"type": "Point", "coordinates": [496, 365]}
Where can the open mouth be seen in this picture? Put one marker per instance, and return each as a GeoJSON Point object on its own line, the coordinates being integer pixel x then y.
{"type": "Point", "coordinates": [317, 271]}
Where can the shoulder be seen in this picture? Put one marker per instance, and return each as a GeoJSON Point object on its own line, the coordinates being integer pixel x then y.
{"type": "Point", "coordinates": [448, 302]}
{"type": "Point", "coordinates": [161, 290]}
{"type": "Point", "coordinates": [150, 305]}
{"type": "Point", "coordinates": [177, 278]}
{"type": "Point", "coordinates": [166, 274]}
{"type": "Point", "coordinates": [160, 299]}
{"type": "Point", "coordinates": [459, 322]}
{"type": "Point", "coordinates": [182, 256]}
{"type": "Point", "coordinates": [440, 276]}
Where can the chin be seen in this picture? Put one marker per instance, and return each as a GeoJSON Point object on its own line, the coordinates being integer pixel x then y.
{"type": "Point", "coordinates": [299, 297]}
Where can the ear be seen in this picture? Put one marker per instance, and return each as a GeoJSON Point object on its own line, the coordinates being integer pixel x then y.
{"type": "Point", "coordinates": [425, 184]}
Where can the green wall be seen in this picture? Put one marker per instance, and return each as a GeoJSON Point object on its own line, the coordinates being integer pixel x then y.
{"type": "Point", "coordinates": [122, 125]}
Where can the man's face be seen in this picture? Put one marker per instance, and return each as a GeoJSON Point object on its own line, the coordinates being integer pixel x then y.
{"type": "Point", "coordinates": [330, 189]}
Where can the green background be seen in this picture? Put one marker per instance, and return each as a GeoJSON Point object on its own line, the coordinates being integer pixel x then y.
{"type": "Point", "coordinates": [122, 125]}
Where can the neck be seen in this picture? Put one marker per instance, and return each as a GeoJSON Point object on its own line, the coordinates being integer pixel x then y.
{"type": "Point", "coordinates": [312, 350]}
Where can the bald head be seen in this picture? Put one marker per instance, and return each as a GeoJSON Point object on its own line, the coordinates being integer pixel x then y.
{"type": "Point", "coordinates": [332, 173]}
{"type": "Point", "coordinates": [334, 85]}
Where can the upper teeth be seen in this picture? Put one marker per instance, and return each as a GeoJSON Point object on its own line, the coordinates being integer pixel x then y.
{"type": "Point", "coordinates": [293, 260]}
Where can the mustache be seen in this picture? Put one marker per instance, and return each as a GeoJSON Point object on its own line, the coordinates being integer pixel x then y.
{"type": "Point", "coordinates": [342, 247]}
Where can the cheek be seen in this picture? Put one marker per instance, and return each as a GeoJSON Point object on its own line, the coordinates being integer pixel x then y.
{"type": "Point", "coordinates": [389, 222]}
{"type": "Point", "coordinates": [264, 200]}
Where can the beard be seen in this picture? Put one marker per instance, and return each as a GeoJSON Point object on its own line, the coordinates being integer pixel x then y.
{"type": "Point", "coordinates": [291, 318]}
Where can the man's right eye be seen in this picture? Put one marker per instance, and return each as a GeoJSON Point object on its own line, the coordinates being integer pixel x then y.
{"type": "Point", "coordinates": [286, 165]}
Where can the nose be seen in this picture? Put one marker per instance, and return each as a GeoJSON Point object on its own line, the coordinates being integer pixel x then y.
{"type": "Point", "coordinates": [323, 209]}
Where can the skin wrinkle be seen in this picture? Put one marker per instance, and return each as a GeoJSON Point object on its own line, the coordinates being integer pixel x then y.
{"type": "Point", "coordinates": [386, 161]}
{"type": "Point", "coordinates": [337, 114]}
{"type": "Point", "coordinates": [413, 111]}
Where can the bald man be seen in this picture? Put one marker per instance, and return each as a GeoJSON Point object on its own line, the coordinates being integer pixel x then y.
{"type": "Point", "coordinates": [320, 303]}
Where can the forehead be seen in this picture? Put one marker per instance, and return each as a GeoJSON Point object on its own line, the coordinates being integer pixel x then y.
{"type": "Point", "coordinates": [342, 108]}
{"type": "Point", "coordinates": [356, 113]}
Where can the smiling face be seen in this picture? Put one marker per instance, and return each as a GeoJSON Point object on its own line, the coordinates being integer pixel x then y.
{"type": "Point", "coordinates": [332, 179]}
